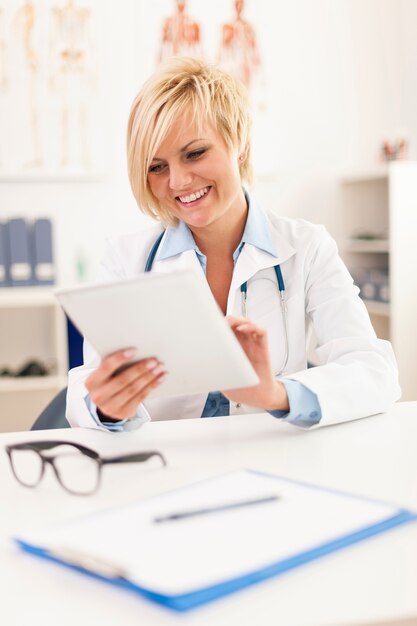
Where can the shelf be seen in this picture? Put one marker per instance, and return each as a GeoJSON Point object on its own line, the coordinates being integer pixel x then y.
{"type": "Point", "coordinates": [375, 174]}
{"type": "Point", "coordinates": [366, 245]}
{"type": "Point", "coordinates": [378, 308]}
{"type": "Point", "coordinates": [32, 383]}
{"type": "Point", "coordinates": [27, 296]}
{"type": "Point", "coordinates": [52, 177]}
{"type": "Point", "coordinates": [381, 200]}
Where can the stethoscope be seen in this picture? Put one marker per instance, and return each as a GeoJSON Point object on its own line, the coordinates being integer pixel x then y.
{"type": "Point", "coordinates": [244, 292]}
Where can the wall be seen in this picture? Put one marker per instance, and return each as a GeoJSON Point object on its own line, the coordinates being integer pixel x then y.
{"type": "Point", "coordinates": [339, 75]}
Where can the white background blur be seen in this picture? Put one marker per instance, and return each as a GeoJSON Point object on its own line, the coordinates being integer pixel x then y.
{"type": "Point", "coordinates": [339, 76]}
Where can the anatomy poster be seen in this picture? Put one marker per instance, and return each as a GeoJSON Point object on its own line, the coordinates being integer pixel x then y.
{"type": "Point", "coordinates": [48, 88]}
{"type": "Point", "coordinates": [231, 33]}
{"type": "Point", "coordinates": [70, 68]}
{"type": "Point", "coordinates": [229, 39]}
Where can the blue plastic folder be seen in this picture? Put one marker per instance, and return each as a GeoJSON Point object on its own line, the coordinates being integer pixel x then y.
{"type": "Point", "coordinates": [217, 536]}
{"type": "Point", "coordinates": [4, 256]}
{"type": "Point", "coordinates": [20, 253]}
{"type": "Point", "coordinates": [43, 262]}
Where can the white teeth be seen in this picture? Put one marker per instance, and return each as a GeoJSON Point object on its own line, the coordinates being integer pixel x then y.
{"type": "Point", "coordinates": [194, 196]}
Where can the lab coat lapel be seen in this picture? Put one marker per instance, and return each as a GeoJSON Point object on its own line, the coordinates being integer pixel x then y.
{"type": "Point", "coordinates": [252, 260]}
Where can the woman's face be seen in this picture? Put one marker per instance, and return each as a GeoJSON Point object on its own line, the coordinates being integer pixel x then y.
{"type": "Point", "coordinates": [196, 177]}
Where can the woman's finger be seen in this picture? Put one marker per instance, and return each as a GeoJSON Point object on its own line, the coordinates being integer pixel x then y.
{"type": "Point", "coordinates": [108, 366]}
{"type": "Point", "coordinates": [124, 403]}
{"type": "Point", "coordinates": [247, 332]}
{"type": "Point", "coordinates": [130, 408]}
{"type": "Point", "coordinates": [235, 321]}
{"type": "Point", "coordinates": [243, 325]}
{"type": "Point", "coordinates": [121, 383]}
{"type": "Point", "coordinates": [121, 378]}
{"type": "Point", "coordinates": [117, 365]}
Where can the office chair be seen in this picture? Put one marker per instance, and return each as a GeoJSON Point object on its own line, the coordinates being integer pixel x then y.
{"type": "Point", "coordinates": [53, 415]}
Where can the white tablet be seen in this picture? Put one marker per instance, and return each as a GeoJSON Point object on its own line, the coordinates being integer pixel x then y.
{"type": "Point", "coordinates": [172, 317]}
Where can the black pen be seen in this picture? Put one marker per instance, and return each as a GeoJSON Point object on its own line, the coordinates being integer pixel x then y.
{"type": "Point", "coordinates": [214, 509]}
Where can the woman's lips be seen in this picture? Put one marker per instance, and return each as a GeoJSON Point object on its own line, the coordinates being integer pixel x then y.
{"type": "Point", "coordinates": [195, 202]}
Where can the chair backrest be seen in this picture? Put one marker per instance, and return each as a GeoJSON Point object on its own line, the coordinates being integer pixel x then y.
{"type": "Point", "coordinates": [53, 415]}
{"type": "Point", "coordinates": [75, 345]}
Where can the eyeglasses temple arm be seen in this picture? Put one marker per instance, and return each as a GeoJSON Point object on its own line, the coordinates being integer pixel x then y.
{"type": "Point", "coordinates": [133, 458]}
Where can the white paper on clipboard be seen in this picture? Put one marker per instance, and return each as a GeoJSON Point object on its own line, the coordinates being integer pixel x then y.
{"type": "Point", "coordinates": [181, 559]}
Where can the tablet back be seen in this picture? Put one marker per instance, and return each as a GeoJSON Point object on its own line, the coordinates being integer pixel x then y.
{"type": "Point", "coordinates": [172, 317]}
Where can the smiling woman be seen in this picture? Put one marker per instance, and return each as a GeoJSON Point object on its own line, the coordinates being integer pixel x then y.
{"type": "Point", "coordinates": [187, 109]}
{"type": "Point", "coordinates": [188, 159]}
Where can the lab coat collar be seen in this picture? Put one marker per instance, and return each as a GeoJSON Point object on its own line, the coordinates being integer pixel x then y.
{"type": "Point", "coordinates": [257, 233]}
{"type": "Point", "coordinates": [176, 241]}
{"type": "Point", "coordinates": [275, 250]}
{"type": "Point", "coordinates": [254, 257]}
{"type": "Point", "coordinates": [257, 230]}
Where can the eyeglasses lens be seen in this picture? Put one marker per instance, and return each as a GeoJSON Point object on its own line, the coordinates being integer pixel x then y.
{"type": "Point", "coordinates": [27, 466]}
{"type": "Point", "coordinates": [78, 473]}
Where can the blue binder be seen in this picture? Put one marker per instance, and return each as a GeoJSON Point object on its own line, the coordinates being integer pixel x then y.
{"type": "Point", "coordinates": [4, 256]}
{"type": "Point", "coordinates": [43, 262]}
{"type": "Point", "coordinates": [20, 253]}
{"type": "Point", "coordinates": [380, 518]}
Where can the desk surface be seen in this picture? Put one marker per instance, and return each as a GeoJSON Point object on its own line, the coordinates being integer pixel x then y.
{"type": "Point", "coordinates": [368, 582]}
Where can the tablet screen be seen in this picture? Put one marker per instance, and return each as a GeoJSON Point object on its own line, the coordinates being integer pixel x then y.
{"type": "Point", "coordinates": [172, 317]}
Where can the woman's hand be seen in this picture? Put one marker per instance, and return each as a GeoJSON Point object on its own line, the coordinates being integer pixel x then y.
{"type": "Point", "coordinates": [118, 386]}
{"type": "Point", "coordinates": [270, 394]}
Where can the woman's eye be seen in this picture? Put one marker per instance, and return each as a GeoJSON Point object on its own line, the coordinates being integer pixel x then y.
{"type": "Point", "coordinates": [196, 153]}
{"type": "Point", "coordinates": [156, 169]}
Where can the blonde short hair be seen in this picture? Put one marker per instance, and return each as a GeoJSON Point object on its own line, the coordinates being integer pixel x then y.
{"type": "Point", "coordinates": [207, 94]}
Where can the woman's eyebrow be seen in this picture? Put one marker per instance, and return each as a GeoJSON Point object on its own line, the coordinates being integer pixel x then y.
{"type": "Point", "coordinates": [191, 142]}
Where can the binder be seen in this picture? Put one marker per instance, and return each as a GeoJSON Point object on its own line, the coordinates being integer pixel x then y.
{"type": "Point", "coordinates": [43, 264]}
{"type": "Point", "coordinates": [196, 556]}
{"type": "Point", "coordinates": [4, 256]}
{"type": "Point", "coordinates": [20, 253]}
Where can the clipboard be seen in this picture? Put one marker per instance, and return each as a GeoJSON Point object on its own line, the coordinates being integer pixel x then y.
{"type": "Point", "coordinates": [172, 317]}
{"type": "Point", "coordinates": [187, 562]}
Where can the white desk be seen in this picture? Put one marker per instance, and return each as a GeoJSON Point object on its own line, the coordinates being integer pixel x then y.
{"type": "Point", "coordinates": [370, 581]}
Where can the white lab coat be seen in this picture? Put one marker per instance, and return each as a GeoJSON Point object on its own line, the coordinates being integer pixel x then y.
{"type": "Point", "coordinates": [357, 375]}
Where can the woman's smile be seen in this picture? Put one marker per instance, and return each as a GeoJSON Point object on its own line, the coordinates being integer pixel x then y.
{"type": "Point", "coordinates": [194, 198]}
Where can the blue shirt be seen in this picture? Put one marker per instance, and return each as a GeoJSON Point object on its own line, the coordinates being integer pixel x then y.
{"type": "Point", "coordinates": [304, 406]}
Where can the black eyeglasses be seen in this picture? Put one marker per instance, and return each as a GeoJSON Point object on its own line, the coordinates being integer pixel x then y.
{"type": "Point", "coordinates": [77, 468]}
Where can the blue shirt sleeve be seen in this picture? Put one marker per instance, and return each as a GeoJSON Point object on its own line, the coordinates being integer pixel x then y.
{"type": "Point", "coordinates": [305, 409]}
{"type": "Point", "coordinates": [116, 427]}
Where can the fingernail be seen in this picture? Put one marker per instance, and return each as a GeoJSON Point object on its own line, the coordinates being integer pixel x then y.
{"type": "Point", "coordinates": [150, 365]}
{"type": "Point", "coordinates": [158, 370]}
{"type": "Point", "coordinates": [162, 378]}
{"type": "Point", "coordinates": [129, 353]}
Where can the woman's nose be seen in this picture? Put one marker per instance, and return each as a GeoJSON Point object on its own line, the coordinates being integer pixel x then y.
{"type": "Point", "coordinates": [179, 177]}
